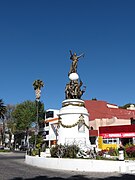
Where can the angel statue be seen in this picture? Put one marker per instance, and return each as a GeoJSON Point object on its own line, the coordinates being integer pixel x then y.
{"type": "Point", "coordinates": [74, 58]}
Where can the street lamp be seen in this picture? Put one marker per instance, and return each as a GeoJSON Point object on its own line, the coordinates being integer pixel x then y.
{"type": "Point", "coordinates": [38, 84]}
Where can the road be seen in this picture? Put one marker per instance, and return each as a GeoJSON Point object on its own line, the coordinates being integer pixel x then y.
{"type": "Point", "coordinates": [13, 167]}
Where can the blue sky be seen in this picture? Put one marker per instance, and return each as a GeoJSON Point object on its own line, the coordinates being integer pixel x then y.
{"type": "Point", "coordinates": [35, 39]}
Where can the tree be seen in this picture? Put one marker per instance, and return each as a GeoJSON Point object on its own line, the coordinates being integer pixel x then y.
{"type": "Point", "coordinates": [11, 125]}
{"type": "Point", "coordinates": [37, 87]}
{"type": "Point", "coordinates": [38, 84]}
{"type": "Point", "coordinates": [9, 118]}
{"type": "Point", "coordinates": [94, 99]}
{"type": "Point", "coordinates": [8, 114]}
{"type": "Point", "coordinates": [2, 109]}
{"type": "Point", "coordinates": [25, 113]}
{"type": "Point", "coordinates": [2, 118]}
{"type": "Point", "coordinates": [126, 106]}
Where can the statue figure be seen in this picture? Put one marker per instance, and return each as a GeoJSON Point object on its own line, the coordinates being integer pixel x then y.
{"type": "Point", "coordinates": [74, 58]}
{"type": "Point", "coordinates": [73, 90]}
{"type": "Point", "coordinates": [80, 92]}
{"type": "Point", "coordinates": [69, 90]}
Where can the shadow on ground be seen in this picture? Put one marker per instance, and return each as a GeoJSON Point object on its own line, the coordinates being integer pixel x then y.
{"type": "Point", "coordinates": [81, 177]}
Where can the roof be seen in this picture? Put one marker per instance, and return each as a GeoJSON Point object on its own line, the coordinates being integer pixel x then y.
{"type": "Point", "coordinates": [102, 109]}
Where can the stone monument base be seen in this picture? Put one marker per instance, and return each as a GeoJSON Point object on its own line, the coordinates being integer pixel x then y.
{"type": "Point", "coordinates": [74, 123]}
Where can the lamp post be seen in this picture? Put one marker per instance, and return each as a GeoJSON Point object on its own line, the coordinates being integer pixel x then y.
{"type": "Point", "coordinates": [37, 87]}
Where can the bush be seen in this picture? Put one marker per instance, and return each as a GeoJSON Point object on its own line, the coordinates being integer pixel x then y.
{"type": "Point", "coordinates": [130, 151]}
{"type": "Point", "coordinates": [102, 152]}
{"type": "Point", "coordinates": [113, 152]}
{"type": "Point", "coordinates": [54, 150]}
{"type": "Point", "coordinates": [110, 151]}
{"type": "Point", "coordinates": [64, 151]}
{"type": "Point", "coordinates": [71, 151]}
{"type": "Point", "coordinates": [34, 152]}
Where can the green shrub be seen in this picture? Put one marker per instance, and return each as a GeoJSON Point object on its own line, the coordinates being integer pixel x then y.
{"type": "Point", "coordinates": [34, 152]}
{"type": "Point", "coordinates": [71, 151]}
{"type": "Point", "coordinates": [64, 151]}
{"type": "Point", "coordinates": [54, 151]}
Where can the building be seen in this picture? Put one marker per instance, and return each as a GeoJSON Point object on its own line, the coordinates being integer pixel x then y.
{"type": "Point", "coordinates": [116, 135]}
{"type": "Point", "coordinates": [110, 125]}
{"type": "Point", "coordinates": [51, 122]}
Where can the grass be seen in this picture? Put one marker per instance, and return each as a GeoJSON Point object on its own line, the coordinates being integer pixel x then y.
{"type": "Point", "coordinates": [4, 150]}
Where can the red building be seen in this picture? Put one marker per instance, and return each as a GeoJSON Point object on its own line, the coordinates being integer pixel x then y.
{"type": "Point", "coordinates": [113, 124]}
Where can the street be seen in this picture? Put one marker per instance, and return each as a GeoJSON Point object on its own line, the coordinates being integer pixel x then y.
{"type": "Point", "coordinates": [13, 167]}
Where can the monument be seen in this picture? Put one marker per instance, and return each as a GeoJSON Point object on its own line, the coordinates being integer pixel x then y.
{"type": "Point", "coordinates": [73, 124]}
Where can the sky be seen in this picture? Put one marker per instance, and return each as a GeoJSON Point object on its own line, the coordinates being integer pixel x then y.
{"type": "Point", "coordinates": [35, 39]}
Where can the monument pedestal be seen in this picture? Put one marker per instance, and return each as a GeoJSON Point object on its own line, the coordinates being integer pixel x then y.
{"type": "Point", "coordinates": [73, 123]}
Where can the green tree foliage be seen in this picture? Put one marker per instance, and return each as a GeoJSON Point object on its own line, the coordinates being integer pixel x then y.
{"type": "Point", "coordinates": [3, 110]}
{"type": "Point", "coordinates": [26, 113]}
{"type": "Point", "coordinates": [39, 140]}
{"type": "Point", "coordinates": [126, 106]}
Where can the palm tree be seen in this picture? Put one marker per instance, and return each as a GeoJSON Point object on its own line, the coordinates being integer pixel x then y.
{"type": "Point", "coordinates": [2, 117]}
{"type": "Point", "coordinates": [37, 87]}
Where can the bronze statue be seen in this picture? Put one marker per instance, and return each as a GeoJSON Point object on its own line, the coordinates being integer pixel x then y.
{"type": "Point", "coordinates": [74, 58]}
{"type": "Point", "coordinates": [73, 90]}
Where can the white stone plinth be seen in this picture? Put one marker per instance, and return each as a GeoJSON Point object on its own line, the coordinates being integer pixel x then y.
{"type": "Point", "coordinates": [70, 113]}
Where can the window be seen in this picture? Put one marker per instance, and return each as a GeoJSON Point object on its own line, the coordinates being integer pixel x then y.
{"type": "Point", "coordinates": [49, 114]}
{"type": "Point", "coordinates": [105, 141]}
{"type": "Point", "coordinates": [110, 140]}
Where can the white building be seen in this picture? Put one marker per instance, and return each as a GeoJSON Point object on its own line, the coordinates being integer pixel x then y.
{"type": "Point", "coordinates": [51, 122]}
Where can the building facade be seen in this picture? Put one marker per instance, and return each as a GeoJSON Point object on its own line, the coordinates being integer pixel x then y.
{"type": "Point", "coordinates": [108, 123]}
{"type": "Point", "coordinates": [51, 127]}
